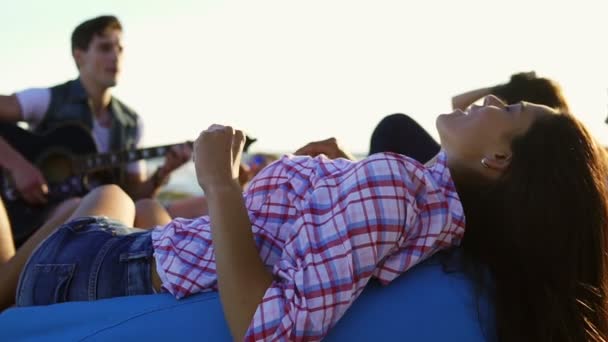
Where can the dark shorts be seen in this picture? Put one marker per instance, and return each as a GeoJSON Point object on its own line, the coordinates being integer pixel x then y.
{"type": "Point", "coordinates": [88, 258]}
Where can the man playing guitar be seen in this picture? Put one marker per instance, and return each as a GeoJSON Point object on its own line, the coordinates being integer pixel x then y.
{"type": "Point", "coordinates": [97, 52]}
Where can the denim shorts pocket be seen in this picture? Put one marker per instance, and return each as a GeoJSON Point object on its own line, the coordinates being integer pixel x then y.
{"type": "Point", "coordinates": [46, 284]}
{"type": "Point", "coordinates": [138, 268]}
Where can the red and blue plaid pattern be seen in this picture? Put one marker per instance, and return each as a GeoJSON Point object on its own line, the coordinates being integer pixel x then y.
{"type": "Point", "coordinates": [324, 227]}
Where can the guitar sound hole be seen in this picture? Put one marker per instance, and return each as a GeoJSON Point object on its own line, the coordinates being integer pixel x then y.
{"type": "Point", "coordinates": [56, 168]}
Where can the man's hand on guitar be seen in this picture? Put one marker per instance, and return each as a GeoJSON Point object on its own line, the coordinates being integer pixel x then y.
{"type": "Point", "coordinates": [30, 183]}
{"type": "Point", "coordinates": [176, 156]}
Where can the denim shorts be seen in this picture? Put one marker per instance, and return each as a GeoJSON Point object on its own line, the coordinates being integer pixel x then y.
{"type": "Point", "coordinates": [88, 258]}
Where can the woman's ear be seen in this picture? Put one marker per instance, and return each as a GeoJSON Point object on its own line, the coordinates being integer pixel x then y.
{"type": "Point", "coordinates": [497, 161]}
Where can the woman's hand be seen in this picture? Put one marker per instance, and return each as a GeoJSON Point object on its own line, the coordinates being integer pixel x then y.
{"type": "Point", "coordinates": [217, 156]}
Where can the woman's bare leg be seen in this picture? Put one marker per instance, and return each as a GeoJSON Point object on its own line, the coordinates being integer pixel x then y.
{"type": "Point", "coordinates": [191, 207]}
{"type": "Point", "coordinates": [7, 246]}
{"type": "Point", "coordinates": [11, 269]}
{"type": "Point", "coordinates": [108, 200]}
{"type": "Point", "coordinates": [149, 214]}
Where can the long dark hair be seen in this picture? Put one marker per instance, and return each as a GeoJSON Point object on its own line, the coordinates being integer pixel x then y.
{"type": "Point", "coordinates": [540, 231]}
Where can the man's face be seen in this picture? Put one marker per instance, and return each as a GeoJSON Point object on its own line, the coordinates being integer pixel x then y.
{"type": "Point", "coordinates": [101, 63]}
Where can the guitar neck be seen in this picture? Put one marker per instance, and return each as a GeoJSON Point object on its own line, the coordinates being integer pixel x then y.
{"type": "Point", "coordinates": [95, 162]}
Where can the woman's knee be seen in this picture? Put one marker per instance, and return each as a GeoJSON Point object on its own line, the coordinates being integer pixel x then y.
{"type": "Point", "coordinates": [112, 193]}
{"type": "Point", "coordinates": [110, 201]}
{"type": "Point", "coordinates": [399, 133]}
{"type": "Point", "coordinates": [108, 190]}
{"type": "Point", "coordinates": [397, 119]}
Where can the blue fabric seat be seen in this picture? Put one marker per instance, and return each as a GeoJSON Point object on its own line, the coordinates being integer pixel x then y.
{"type": "Point", "coordinates": [427, 303]}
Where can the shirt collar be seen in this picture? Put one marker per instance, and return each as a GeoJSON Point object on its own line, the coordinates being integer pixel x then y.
{"type": "Point", "coordinates": [440, 171]}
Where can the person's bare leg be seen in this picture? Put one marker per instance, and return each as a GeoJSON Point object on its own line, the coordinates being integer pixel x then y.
{"type": "Point", "coordinates": [149, 214]}
{"type": "Point", "coordinates": [10, 270]}
{"type": "Point", "coordinates": [7, 245]}
{"type": "Point", "coordinates": [191, 207]}
{"type": "Point", "coordinates": [108, 200]}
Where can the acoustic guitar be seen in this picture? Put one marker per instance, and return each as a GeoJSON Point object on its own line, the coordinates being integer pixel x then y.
{"type": "Point", "coordinates": [68, 158]}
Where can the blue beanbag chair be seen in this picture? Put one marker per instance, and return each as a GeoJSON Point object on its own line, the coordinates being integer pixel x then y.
{"type": "Point", "coordinates": [430, 302]}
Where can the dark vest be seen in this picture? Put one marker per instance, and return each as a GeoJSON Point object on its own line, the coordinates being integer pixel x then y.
{"type": "Point", "coordinates": [69, 103]}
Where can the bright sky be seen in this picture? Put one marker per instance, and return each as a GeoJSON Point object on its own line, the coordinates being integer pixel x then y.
{"type": "Point", "coordinates": [289, 72]}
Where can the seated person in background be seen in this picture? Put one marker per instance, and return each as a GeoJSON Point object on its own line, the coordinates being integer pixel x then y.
{"type": "Point", "coordinates": [523, 86]}
{"type": "Point", "coordinates": [98, 52]}
{"type": "Point", "coordinates": [401, 134]}
{"type": "Point", "coordinates": [253, 165]}
{"type": "Point", "coordinates": [291, 254]}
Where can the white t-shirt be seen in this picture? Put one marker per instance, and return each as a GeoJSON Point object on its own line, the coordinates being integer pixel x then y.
{"type": "Point", "coordinates": [35, 102]}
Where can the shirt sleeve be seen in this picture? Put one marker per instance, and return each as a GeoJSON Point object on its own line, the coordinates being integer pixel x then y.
{"type": "Point", "coordinates": [34, 103]}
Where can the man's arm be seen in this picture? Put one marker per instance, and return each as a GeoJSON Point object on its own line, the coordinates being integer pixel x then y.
{"type": "Point", "coordinates": [141, 186]}
{"type": "Point", "coordinates": [29, 181]}
{"type": "Point", "coordinates": [10, 110]}
{"type": "Point", "coordinates": [10, 157]}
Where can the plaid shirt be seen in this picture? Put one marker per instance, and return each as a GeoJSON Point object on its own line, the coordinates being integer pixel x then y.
{"type": "Point", "coordinates": [324, 227]}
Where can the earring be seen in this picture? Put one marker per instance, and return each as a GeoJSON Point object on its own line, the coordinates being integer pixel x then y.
{"type": "Point", "coordinates": [484, 162]}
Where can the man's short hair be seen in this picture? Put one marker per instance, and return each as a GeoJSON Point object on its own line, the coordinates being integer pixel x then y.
{"type": "Point", "coordinates": [85, 32]}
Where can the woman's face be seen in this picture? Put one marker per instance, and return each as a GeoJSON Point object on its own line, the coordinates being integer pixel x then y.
{"type": "Point", "coordinates": [486, 131]}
